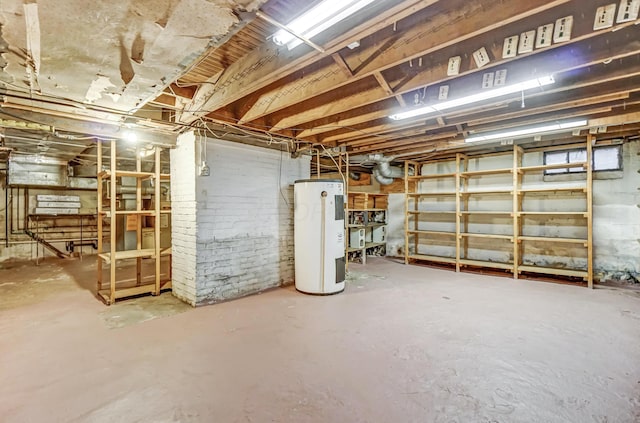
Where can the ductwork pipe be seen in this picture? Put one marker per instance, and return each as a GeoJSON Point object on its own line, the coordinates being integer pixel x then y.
{"type": "Point", "coordinates": [382, 170]}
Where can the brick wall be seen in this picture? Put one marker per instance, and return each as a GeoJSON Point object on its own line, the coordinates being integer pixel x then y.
{"type": "Point", "coordinates": [242, 218]}
{"type": "Point", "coordinates": [183, 218]}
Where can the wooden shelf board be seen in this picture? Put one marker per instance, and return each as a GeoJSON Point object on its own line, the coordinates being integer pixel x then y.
{"type": "Point", "coordinates": [431, 212]}
{"type": "Point", "coordinates": [486, 172]}
{"type": "Point", "coordinates": [479, 212]}
{"type": "Point", "coordinates": [545, 213]}
{"type": "Point", "coordinates": [553, 271]}
{"type": "Point", "coordinates": [552, 166]}
{"type": "Point", "coordinates": [492, 236]}
{"type": "Point", "coordinates": [450, 260]}
{"type": "Point", "coordinates": [432, 233]}
{"type": "Point", "coordinates": [433, 176]}
{"type": "Point", "coordinates": [431, 194]}
{"type": "Point", "coordinates": [555, 189]}
{"type": "Point", "coordinates": [374, 244]}
{"type": "Point", "coordinates": [135, 212]}
{"type": "Point", "coordinates": [165, 176]}
{"type": "Point", "coordinates": [366, 210]}
{"type": "Point", "coordinates": [370, 194]}
{"type": "Point", "coordinates": [482, 263]}
{"type": "Point", "coordinates": [128, 173]}
{"type": "Point", "coordinates": [553, 239]}
{"type": "Point", "coordinates": [129, 254]}
{"type": "Point", "coordinates": [352, 249]}
{"type": "Point", "coordinates": [370, 225]}
{"type": "Point", "coordinates": [127, 292]}
{"type": "Point", "coordinates": [133, 174]}
{"type": "Point", "coordinates": [488, 192]}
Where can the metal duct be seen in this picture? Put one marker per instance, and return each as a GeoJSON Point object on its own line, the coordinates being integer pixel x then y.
{"type": "Point", "coordinates": [382, 170]}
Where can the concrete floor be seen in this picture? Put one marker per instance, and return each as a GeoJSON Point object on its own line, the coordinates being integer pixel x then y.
{"type": "Point", "coordinates": [401, 344]}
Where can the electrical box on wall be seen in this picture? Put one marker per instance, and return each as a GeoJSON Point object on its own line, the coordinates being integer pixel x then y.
{"type": "Point", "coordinates": [510, 47]}
{"type": "Point", "coordinates": [604, 17]}
{"type": "Point", "coordinates": [563, 29]}
{"type": "Point", "coordinates": [204, 169]}
{"type": "Point", "coordinates": [527, 40]}
{"type": "Point", "coordinates": [545, 34]}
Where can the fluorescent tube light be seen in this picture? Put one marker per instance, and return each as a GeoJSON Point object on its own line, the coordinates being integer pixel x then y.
{"type": "Point", "coordinates": [528, 131]}
{"type": "Point", "coordinates": [474, 98]}
{"type": "Point", "coordinates": [318, 19]}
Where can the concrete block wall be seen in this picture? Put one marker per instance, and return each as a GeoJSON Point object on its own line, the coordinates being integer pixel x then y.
{"type": "Point", "coordinates": [239, 238]}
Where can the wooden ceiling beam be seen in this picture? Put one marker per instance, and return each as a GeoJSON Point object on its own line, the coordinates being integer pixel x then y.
{"type": "Point", "coordinates": [389, 146]}
{"type": "Point", "coordinates": [270, 62]}
{"type": "Point", "coordinates": [558, 99]}
{"type": "Point", "coordinates": [586, 49]}
{"type": "Point", "coordinates": [399, 48]}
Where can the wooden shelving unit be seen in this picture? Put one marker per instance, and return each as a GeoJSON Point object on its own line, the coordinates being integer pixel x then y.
{"type": "Point", "coordinates": [112, 256]}
{"type": "Point", "coordinates": [366, 224]}
{"type": "Point", "coordinates": [441, 219]}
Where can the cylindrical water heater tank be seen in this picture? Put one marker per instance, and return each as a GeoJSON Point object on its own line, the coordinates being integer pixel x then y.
{"type": "Point", "coordinates": [319, 236]}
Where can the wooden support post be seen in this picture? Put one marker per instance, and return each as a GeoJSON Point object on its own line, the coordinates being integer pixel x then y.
{"type": "Point", "coordinates": [458, 210]}
{"type": "Point", "coordinates": [406, 212]}
{"type": "Point", "coordinates": [417, 170]}
{"type": "Point", "coordinates": [517, 207]}
{"type": "Point", "coordinates": [465, 205]}
{"type": "Point", "coordinates": [156, 223]}
{"type": "Point", "coordinates": [590, 141]}
{"type": "Point", "coordinates": [346, 210]}
{"type": "Point", "coordinates": [100, 215]}
{"type": "Point", "coordinates": [138, 218]}
{"type": "Point", "coordinates": [113, 227]}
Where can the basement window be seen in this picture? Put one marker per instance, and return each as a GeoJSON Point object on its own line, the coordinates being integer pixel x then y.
{"type": "Point", "coordinates": [606, 158]}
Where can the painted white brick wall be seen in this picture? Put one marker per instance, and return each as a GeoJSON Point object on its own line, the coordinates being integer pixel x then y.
{"type": "Point", "coordinates": [183, 218]}
{"type": "Point", "coordinates": [233, 230]}
{"type": "Point", "coordinates": [245, 220]}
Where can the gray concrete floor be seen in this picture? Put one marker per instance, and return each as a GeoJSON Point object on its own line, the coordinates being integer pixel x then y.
{"type": "Point", "coordinates": [401, 344]}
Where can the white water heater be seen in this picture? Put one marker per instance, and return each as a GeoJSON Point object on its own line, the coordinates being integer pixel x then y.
{"type": "Point", "coordinates": [319, 236]}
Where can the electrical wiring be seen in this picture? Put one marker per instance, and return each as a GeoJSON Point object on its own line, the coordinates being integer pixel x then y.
{"type": "Point", "coordinates": [344, 181]}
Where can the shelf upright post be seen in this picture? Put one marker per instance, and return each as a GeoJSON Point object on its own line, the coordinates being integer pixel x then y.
{"type": "Point", "coordinates": [517, 207]}
{"type": "Point", "coordinates": [465, 206]}
{"type": "Point", "coordinates": [590, 141]}
{"type": "Point", "coordinates": [458, 211]}
{"type": "Point", "coordinates": [138, 218]}
{"type": "Point", "coordinates": [156, 220]}
{"type": "Point", "coordinates": [99, 210]}
{"type": "Point", "coordinates": [113, 220]}
{"type": "Point", "coordinates": [417, 170]}
{"type": "Point", "coordinates": [406, 212]}
{"type": "Point", "coordinates": [346, 211]}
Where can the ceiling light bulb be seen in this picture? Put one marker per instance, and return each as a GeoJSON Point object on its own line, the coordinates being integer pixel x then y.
{"type": "Point", "coordinates": [130, 136]}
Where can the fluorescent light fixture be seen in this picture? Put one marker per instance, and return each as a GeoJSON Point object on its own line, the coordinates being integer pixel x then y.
{"type": "Point", "coordinates": [528, 131]}
{"type": "Point", "coordinates": [317, 19]}
{"type": "Point", "coordinates": [485, 95]}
